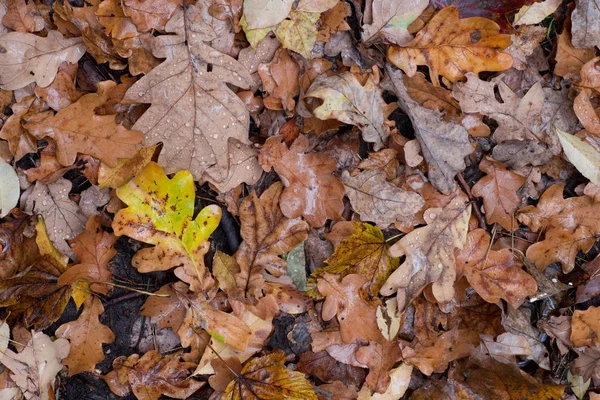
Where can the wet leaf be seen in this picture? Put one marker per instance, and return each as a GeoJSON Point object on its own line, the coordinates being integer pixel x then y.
{"type": "Point", "coordinates": [298, 32]}
{"type": "Point", "coordinates": [390, 20]}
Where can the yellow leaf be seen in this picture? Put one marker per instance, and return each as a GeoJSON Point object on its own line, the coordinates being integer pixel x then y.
{"type": "Point", "coordinates": [582, 155]}
{"type": "Point", "coordinates": [160, 213]}
{"type": "Point", "coordinates": [452, 47]}
{"type": "Point", "coordinates": [299, 32]}
{"type": "Point", "coordinates": [126, 168]}
{"type": "Point", "coordinates": [254, 36]}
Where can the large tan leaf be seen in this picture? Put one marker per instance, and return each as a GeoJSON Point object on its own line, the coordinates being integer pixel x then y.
{"type": "Point", "coordinates": [429, 252]}
{"type": "Point", "coordinates": [27, 58]}
{"type": "Point", "coordinates": [78, 129]}
{"type": "Point", "coordinates": [200, 120]}
{"type": "Point", "coordinates": [586, 24]}
{"type": "Point", "coordinates": [452, 47]}
{"type": "Point", "coordinates": [347, 100]}
{"type": "Point", "coordinates": [9, 188]}
{"type": "Point", "coordinates": [266, 13]}
{"type": "Point", "coordinates": [86, 335]}
{"type": "Point", "coordinates": [390, 20]}
{"type": "Point", "coordinates": [582, 155]}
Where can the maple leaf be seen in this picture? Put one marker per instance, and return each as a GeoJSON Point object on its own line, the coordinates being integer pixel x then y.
{"type": "Point", "coordinates": [444, 144]}
{"type": "Point", "coordinates": [364, 252]}
{"type": "Point", "coordinates": [160, 213]}
{"type": "Point", "coordinates": [77, 129]}
{"type": "Point", "coordinates": [267, 378]}
{"type": "Point", "coordinates": [378, 200]}
{"type": "Point", "coordinates": [499, 192]}
{"type": "Point", "coordinates": [429, 252]}
{"type": "Point", "coordinates": [267, 235]}
{"type": "Point", "coordinates": [494, 274]}
{"type": "Point", "coordinates": [452, 47]}
{"type": "Point", "coordinates": [151, 376]}
{"type": "Point", "coordinates": [34, 369]}
{"type": "Point", "coordinates": [311, 191]}
{"type": "Point", "coordinates": [94, 249]}
{"type": "Point", "coordinates": [199, 119]}
{"type": "Point", "coordinates": [356, 317]}
{"type": "Point", "coordinates": [86, 335]}
{"type": "Point", "coordinates": [390, 19]}
{"type": "Point", "coordinates": [349, 101]}
{"type": "Point", "coordinates": [28, 58]}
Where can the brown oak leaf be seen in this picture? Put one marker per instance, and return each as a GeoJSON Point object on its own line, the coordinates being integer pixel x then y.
{"type": "Point", "coordinates": [585, 327]}
{"type": "Point", "coordinates": [280, 80]}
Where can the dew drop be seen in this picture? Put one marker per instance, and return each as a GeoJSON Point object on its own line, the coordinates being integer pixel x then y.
{"type": "Point", "coordinates": [215, 136]}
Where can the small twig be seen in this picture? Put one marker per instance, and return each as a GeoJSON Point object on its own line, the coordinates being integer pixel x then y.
{"type": "Point", "coordinates": [465, 187]}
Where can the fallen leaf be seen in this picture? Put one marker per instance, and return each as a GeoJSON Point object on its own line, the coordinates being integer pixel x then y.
{"type": "Point", "coordinates": [150, 14]}
{"type": "Point", "coordinates": [569, 59]}
{"type": "Point", "coordinates": [160, 213]}
{"type": "Point", "coordinates": [518, 322]}
{"type": "Point", "coordinates": [327, 369]}
{"type": "Point", "coordinates": [451, 47]}
{"type": "Point", "coordinates": [535, 13]}
{"type": "Point", "coordinates": [506, 347]}
{"type": "Point", "coordinates": [499, 191]}
{"type": "Point", "coordinates": [77, 129]}
{"type": "Point", "coordinates": [10, 189]}
{"type": "Point", "coordinates": [61, 92]}
{"type": "Point", "coordinates": [22, 17]}
{"type": "Point", "coordinates": [429, 252]}
{"type": "Point", "coordinates": [267, 377]}
{"type": "Point", "coordinates": [34, 369]}
{"type": "Point", "coordinates": [582, 155]}
{"type": "Point", "coordinates": [585, 327]}
{"type": "Point", "coordinates": [364, 252]}
{"type": "Point", "coordinates": [280, 81]}
{"type": "Point", "coordinates": [432, 97]}
{"type": "Point", "coordinates": [298, 32]}
{"type": "Point", "coordinates": [590, 288]}
{"type": "Point", "coordinates": [266, 13]}
{"type": "Point", "coordinates": [151, 376]}
{"type": "Point", "coordinates": [18, 250]}
{"type": "Point", "coordinates": [166, 311]}
{"type": "Point", "coordinates": [20, 141]}
{"type": "Point", "coordinates": [400, 379]}
{"type": "Point", "coordinates": [94, 248]}
{"type": "Point", "coordinates": [186, 88]}
{"type": "Point", "coordinates": [496, 10]}
{"type": "Point", "coordinates": [444, 144]}
{"type": "Point", "coordinates": [349, 101]}
{"type": "Point", "coordinates": [586, 24]}
{"type": "Point", "coordinates": [316, 5]}
{"type": "Point", "coordinates": [390, 20]}
{"type": "Point", "coordinates": [29, 58]}
{"type": "Point", "coordinates": [579, 386]}
{"type": "Point", "coordinates": [267, 235]}
{"type": "Point", "coordinates": [86, 335]}
{"type": "Point", "coordinates": [310, 190]}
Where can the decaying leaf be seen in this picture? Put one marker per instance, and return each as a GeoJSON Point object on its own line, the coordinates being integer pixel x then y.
{"type": "Point", "coordinates": [28, 58]}
{"type": "Point", "coordinates": [451, 47]}
{"type": "Point", "coordinates": [160, 213]}
{"type": "Point", "coordinates": [349, 101]}
{"type": "Point", "coordinates": [267, 378]}
{"type": "Point", "coordinates": [429, 252]}
{"type": "Point", "coordinates": [390, 20]}
{"type": "Point", "coordinates": [86, 335]}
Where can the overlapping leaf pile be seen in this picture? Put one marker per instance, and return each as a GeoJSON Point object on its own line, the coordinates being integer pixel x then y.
{"type": "Point", "coordinates": [313, 199]}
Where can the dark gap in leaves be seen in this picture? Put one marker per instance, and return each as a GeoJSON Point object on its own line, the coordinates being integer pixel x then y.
{"type": "Point", "coordinates": [403, 123]}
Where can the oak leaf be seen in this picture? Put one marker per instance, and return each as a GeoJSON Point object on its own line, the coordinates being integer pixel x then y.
{"type": "Point", "coordinates": [356, 317]}
{"type": "Point", "coordinates": [267, 378]}
{"type": "Point", "coordinates": [586, 24]}
{"type": "Point", "coordinates": [590, 87]}
{"type": "Point", "coordinates": [22, 17]}
{"type": "Point", "coordinates": [28, 58]}
{"type": "Point", "coordinates": [494, 274]}
{"type": "Point", "coordinates": [311, 190]}
{"type": "Point", "coordinates": [34, 369]}
{"type": "Point", "coordinates": [429, 252]}
{"type": "Point", "coordinates": [378, 200]}
{"type": "Point", "coordinates": [77, 129]}
{"type": "Point", "coordinates": [86, 335]}
{"type": "Point", "coordinates": [160, 213]}
{"type": "Point", "coordinates": [94, 248]}
{"type": "Point", "coordinates": [380, 358]}
{"type": "Point", "coordinates": [389, 20]}
{"type": "Point", "coordinates": [20, 141]}
{"type": "Point", "coordinates": [451, 47]}
{"type": "Point", "coordinates": [499, 191]}
{"type": "Point", "coordinates": [324, 367]}
{"type": "Point", "coordinates": [62, 91]}
{"type": "Point", "coordinates": [569, 59]}
{"type": "Point", "coordinates": [348, 100]}
{"type": "Point", "coordinates": [267, 235]}
{"type": "Point", "coordinates": [166, 311]}
{"type": "Point", "coordinates": [280, 81]}
{"type": "Point", "coordinates": [151, 376]}
{"type": "Point", "coordinates": [364, 252]}
{"type": "Point", "coordinates": [298, 32]}
{"type": "Point", "coordinates": [444, 144]}
{"type": "Point", "coordinates": [126, 168]}
{"type": "Point", "coordinates": [193, 111]}
{"type": "Point", "coordinates": [585, 327]}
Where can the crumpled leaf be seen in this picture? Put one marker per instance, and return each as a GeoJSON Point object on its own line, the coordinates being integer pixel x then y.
{"type": "Point", "coordinates": [364, 252]}
{"type": "Point", "coordinates": [280, 80]}
{"type": "Point", "coordinates": [77, 129]}
{"type": "Point", "coordinates": [390, 20]}
{"type": "Point", "coordinates": [94, 249]}
{"type": "Point", "coordinates": [199, 119]}
{"type": "Point", "coordinates": [266, 13]}
{"type": "Point", "coordinates": [267, 378]}
{"type": "Point", "coordinates": [34, 369]}
{"type": "Point", "coordinates": [451, 47]}
{"type": "Point", "coordinates": [10, 189]}
{"type": "Point", "coordinates": [310, 189]}
{"type": "Point", "coordinates": [28, 58]}
{"type": "Point", "coordinates": [349, 101]}
{"type": "Point", "coordinates": [582, 155]}
{"type": "Point", "coordinates": [151, 376]}
{"type": "Point", "coordinates": [86, 336]}
{"type": "Point", "coordinates": [160, 213]}
{"type": "Point", "coordinates": [494, 274]}
{"type": "Point", "coordinates": [586, 24]}
{"type": "Point", "coordinates": [499, 191]}
{"type": "Point", "coordinates": [429, 252]}
{"type": "Point", "coordinates": [20, 141]}
{"type": "Point", "coordinates": [535, 13]}
{"type": "Point", "coordinates": [378, 200]}
{"type": "Point", "coordinates": [444, 144]}
{"type": "Point", "coordinates": [267, 235]}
